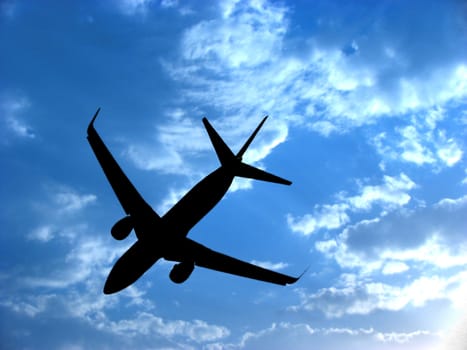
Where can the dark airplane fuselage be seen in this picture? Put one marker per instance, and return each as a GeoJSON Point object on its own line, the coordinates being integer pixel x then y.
{"type": "Point", "coordinates": [166, 240]}
{"type": "Point", "coordinates": [197, 203]}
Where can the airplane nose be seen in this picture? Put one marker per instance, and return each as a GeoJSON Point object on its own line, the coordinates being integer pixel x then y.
{"type": "Point", "coordinates": [131, 266]}
{"type": "Point", "coordinates": [111, 285]}
{"type": "Point", "coordinates": [108, 289]}
{"type": "Point", "coordinates": [118, 279]}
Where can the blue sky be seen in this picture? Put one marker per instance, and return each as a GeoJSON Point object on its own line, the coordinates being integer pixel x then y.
{"type": "Point", "coordinates": [368, 115]}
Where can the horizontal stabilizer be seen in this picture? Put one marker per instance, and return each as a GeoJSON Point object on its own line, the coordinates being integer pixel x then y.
{"type": "Point", "coordinates": [245, 170]}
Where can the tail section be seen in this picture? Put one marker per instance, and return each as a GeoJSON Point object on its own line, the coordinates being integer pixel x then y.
{"type": "Point", "coordinates": [225, 155]}
{"type": "Point", "coordinates": [245, 170]}
{"type": "Point", "coordinates": [234, 162]}
{"type": "Point", "coordinates": [252, 136]}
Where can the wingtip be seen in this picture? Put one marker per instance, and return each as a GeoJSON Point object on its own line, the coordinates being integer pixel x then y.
{"type": "Point", "coordinates": [91, 124]}
{"type": "Point", "coordinates": [304, 272]}
{"type": "Point", "coordinates": [295, 279]}
{"type": "Point", "coordinates": [283, 181]}
{"type": "Point", "coordinates": [95, 116]}
{"type": "Point", "coordinates": [206, 123]}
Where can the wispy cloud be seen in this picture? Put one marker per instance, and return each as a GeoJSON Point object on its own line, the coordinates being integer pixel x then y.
{"type": "Point", "coordinates": [134, 7]}
{"type": "Point", "coordinates": [89, 259]}
{"type": "Point", "coordinates": [70, 201]}
{"type": "Point", "coordinates": [184, 149]}
{"type": "Point", "coordinates": [169, 3]}
{"type": "Point", "coordinates": [270, 265]}
{"type": "Point", "coordinates": [148, 324]}
{"type": "Point", "coordinates": [282, 334]}
{"type": "Point", "coordinates": [43, 233]}
{"type": "Point", "coordinates": [11, 108]}
{"type": "Point", "coordinates": [427, 235]}
{"type": "Point", "coordinates": [173, 197]}
{"type": "Point", "coordinates": [421, 141]}
{"type": "Point", "coordinates": [176, 141]}
{"type": "Point", "coordinates": [238, 63]}
{"type": "Point", "coordinates": [62, 203]}
{"type": "Point", "coordinates": [393, 267]}
{"type": "Point", "coordinates": [8, 8]}
{"type": "Point", "coordinates": [357, 296]}
{"type": "Point", "coordinates": [391, 194]}
{"type": "Point", "coordinates": [30, 306]}
{"type": "Point", "coordinates": [324, 216]}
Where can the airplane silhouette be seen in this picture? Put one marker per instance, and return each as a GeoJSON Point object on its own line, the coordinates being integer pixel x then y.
{"type": "Point", "coordinates": [166, 237]}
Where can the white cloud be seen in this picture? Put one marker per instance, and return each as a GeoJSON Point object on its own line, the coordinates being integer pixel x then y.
{"type": "Point", "coordinates": [244, 40]}
{"type": "Point", "coordinates": [398, 337]}
{"type": "Point", "coordinates": [173, 197]}
{"type": "Point", "coordinates": [412, 148]}
{"type": "Point", "coordinates": [300, 335]}
{"type": "Point", "coordinates": [77, 294]}
{"type": "Point", "coordinates": [426, 247]}
{"type": "Point", "coordinates": [456, 338]}
{"type": "Point", "coordinates": [354, 296]}
{"type": "Point", "coordinates": [11, 107]}
{"type": "Point", "coordinates": [134, 7]}
{"type": "Point", "coordinates": [64, 199]}
{"type": "Point", "coordinates": [178, 142]}
{"type": "Point", "coordinates": [430, 235]}
{"type": "Point", "coordinates": [89, 259]}
{"type": "Point", "coordinates": [393, 267]}
{"type": "Point", "coordinates": [243, 59]}
{"type": "Point", "coordinates": [169, 3]}
{"type": "Point", "coordinates": [166, 162]}
{"type": "Point", "coordinates": [240, 63]}
{"type": "Point", "coordinates": [63, 204]}
{"type": "Point", "coordinates": [43, 233]}
{"type": "Point", "coordinates": [421, 142]}
{"type": "Point", "coordinates": [270, 265]}
{"type": "Point", "coordinates": [324, 216]}
{"type": "Point", "coordinates": [391, 194]}
{"type": "Point", "coordinates": [148, 324]}
{"type": "Point", "coordinates": [32, 306]}
{"type": "Point", "coordinates": [240, 183]}
{"type": "Point", "coordinates": [69, 201]}
{"type": "Point", "coordinates": [185, 149]}
{"type": "Point", "coordinates": [449, 151]}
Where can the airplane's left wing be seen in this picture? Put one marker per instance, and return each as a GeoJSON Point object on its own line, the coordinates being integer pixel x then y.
{"type": "Point", "coordinates": [129, 198]}
{"type": "Point", "coordinates": [210, 259]}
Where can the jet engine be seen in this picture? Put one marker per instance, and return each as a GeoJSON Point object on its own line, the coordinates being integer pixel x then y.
{"type": "Point", "coordinates": [181, 271]}
{"type": "Point", "coordinates": [122, 228]}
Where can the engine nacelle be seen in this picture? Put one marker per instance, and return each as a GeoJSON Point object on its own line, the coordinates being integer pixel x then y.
{"type": "Point", "coordinates": [181, 271]}
{"type": "Point", "coordinates": [122, 228]}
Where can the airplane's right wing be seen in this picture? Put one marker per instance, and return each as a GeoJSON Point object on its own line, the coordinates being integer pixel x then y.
{"type": "Point", "coordinates": [210, 259]}
{"type": "Point", "coordinates": [130, 199]}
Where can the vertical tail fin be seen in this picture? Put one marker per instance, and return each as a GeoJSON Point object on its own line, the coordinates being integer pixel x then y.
{"type": "Point", "coordinates": [252, 136]}
{"type": "Point", "coordinates": [223, 151]}
{"type": "Point", "coordinates": [234, 162]}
